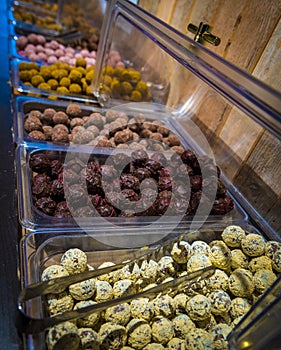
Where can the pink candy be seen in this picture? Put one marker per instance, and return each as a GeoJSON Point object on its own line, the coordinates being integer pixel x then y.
{"type": "Point", "coordinates": [35, 47]}
{"type": "Point", "coordinates": [49, 52]}
{"type": "Point", "coordinates": [41, 39]}
{"type": "Point", "coordinates": [22, 42]}
{"type": "Point", "coordinates": [59, 52]}
{"type": "Point", "coordinates": [52, 59]}
{"type": "Point", "coordinates": [39, 48]}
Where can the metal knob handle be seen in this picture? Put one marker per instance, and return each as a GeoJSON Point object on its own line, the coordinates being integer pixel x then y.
{"type": "Point", "coordinates": [202, 34]}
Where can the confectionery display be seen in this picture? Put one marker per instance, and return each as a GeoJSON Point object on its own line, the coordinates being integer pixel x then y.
{"type": "Point", "coordinates": [75, 77]}
{"type": "Point", "coordinates": [22, 14]}
{"type": "Point", "coordinates": [103, 129]}
{"type": "Point", "coordinates": [115, 159]}
{"type": "Point", "coordinates": [199, 316]}
{"type": "Point", "coordinates": [153, 184]}
{"type": "Point", "coordinates": [37, 48]}
{"type": "Point", "coordinates": [43, 17]}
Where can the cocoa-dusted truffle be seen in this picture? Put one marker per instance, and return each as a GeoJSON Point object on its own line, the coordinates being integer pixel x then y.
{"type": "Point", "coordinates": [60, 118]}
{"type": "Point", "coordinates": [35, 113]}
{"type": "Point", "coordinates": [48, 131]}
{"type": "Point", "coordinates": [87, 136]}
{"type": "Point", "coordinates": [73, 110]}
{"type": "Point", "coordinates": [94, 130]}
{"type": "Point", "coordinates": [59, 134]}
{"type": "Point", "coordinates": [76, 122]}
{"type": "Point", "coordinates": [32, 123]}
{"type": "Point", "coordinates": [47, 116]}
{"type": "Point", "coordinates": [122, 137]}
{"type": "Point", "coordinates": [38, 135]}
{"type": "Point", "coordinates": [111, 115]}
{"type": "Point", "coordinates": [96, 119]}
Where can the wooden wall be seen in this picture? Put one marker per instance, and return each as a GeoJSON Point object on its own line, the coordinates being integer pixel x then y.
{"type": "Point", "coordinates": [250, 32]}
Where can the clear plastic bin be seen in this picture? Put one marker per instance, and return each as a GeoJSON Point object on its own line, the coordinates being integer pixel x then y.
{"type": "Point", "coordinates": [20, 87]}
{"type": "Point", "coordinates": [177, 202]}
{"type": "Point", "coordinates": [39, 250]}
{"type": "Point", "coordinates": [32, 17]}
{"type": "Point", "coordinates": [70, 46]}
{"type": "Point", "coordinates": [77, 88]}
{"type": "Point", "coordinates": [151, 113]}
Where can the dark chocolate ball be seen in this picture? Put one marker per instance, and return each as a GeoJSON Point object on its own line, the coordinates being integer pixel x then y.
{"type": "Point", "coordinates": [39, 162]}
{"type": "Point", "coordinates": [46, 205]}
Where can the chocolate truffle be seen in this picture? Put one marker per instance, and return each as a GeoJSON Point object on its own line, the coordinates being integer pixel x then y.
{"type": "Point", "coordinates": [63, 336]}
{"type": "Point", "coordinates": [90, 320]}
{"type": "Point", "coordinates": [241, 283]}
{"type": "Point", "coordinates": [139, 333]}
{"type": "Point", "coordinates": [253, 245]}
{"type": "Point", "coordinates": [233, 235]}
{"type": "Point", "coordinates": [74, 260]}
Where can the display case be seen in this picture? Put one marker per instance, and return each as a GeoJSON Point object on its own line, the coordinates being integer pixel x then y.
{"type": "Point", "coordinates": [144, 88]}
{"type": "Point", "coordinates": [42, 250]}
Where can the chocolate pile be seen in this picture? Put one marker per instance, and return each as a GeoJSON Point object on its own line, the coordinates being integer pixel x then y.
{"type": "Point", "coordinates": [113, 184]}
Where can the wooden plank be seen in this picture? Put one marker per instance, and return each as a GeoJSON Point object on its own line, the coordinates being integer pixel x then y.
{"type": "Point", "coordinates": [165, 10]}
{"type": "Point", "coordinates": [202, 11]}
{"type": "Point", "coordinates": [182, 11]}
{"type": "Point", "coordinates": [223, 21]}
{"type": "Point", "coordinates": [252, 31]}
{"type": "Point", "coordinates": [240, 134]}
{"type": "Point", "coordinates": [149, 6]}
{"type": "Point", "coordinates": [255, 190]}
{"type": "Point", "coordinates": [265, 161]}
{"type": "Point", "coordinates": [268, 67]}
{"type": "Point", "coordinates": [273, 217]}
